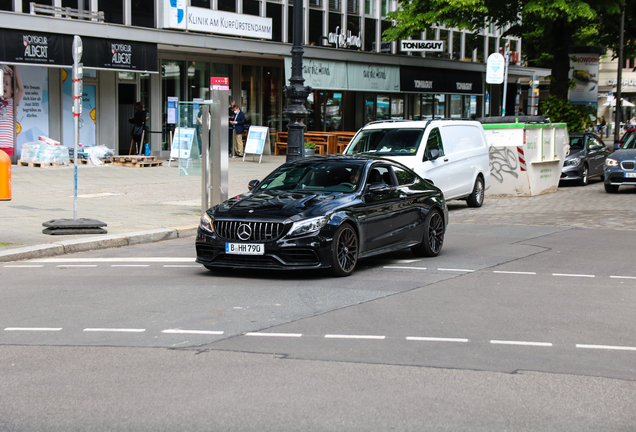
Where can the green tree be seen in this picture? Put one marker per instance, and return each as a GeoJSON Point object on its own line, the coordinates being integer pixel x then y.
{"type": "Point", "coordinates": [548, 27]}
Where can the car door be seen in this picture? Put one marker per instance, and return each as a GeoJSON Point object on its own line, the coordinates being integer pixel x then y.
{"type": "Point", "coordinates": [409, 210]}
{"type": "Point", "coordinates": [435, 165]}
{"type": "Point", "coordinates": [597, 153]}
{"type": "Point", "coordinates": [380, 227]}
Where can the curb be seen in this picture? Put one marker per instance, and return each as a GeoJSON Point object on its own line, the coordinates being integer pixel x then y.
{"type": "Point", "coordinates": [95, 243]}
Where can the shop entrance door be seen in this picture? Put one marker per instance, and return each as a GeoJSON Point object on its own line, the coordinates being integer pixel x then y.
{"type": "Point", "coordinates": [127, 95]}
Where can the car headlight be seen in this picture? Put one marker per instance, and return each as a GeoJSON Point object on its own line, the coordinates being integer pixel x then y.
{"type": "Point", "coordinates": [207, 223]}
{"type": "Point", "coordinates": [307, 226]}
{"type": "Point", "coordinates": [572, 162]}
{"type": "Point", "coordinates": [611, 162]}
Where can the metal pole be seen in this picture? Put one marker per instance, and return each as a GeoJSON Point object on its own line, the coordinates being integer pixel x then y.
{"type": "Point", "coordinates": [505, 84]}
{"type": "Point", "coordinates": [620, 79]}
{"type": "Point", "coordinates": [296, 91]}
{"type": "Point", "coordinates": [205, 158]}
{"type": "Point", "coordinates": [77, 108]}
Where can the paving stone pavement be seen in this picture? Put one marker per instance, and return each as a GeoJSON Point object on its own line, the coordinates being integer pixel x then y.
{"type": "Point", "coordinates": [133, 200]}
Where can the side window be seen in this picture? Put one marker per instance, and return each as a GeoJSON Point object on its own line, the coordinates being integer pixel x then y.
{"type": "Point", "coordinates": [403, 176]}
{"type": "Point", "coordinates": [434, 142]}
{"type": "Point", "coordinates": [381, 174]}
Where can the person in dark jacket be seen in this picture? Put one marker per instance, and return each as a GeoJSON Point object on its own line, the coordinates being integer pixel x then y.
{"type": "Point", "coordinates": [139, 126]}
{"type": "Point", "coordinates": [238, 122]}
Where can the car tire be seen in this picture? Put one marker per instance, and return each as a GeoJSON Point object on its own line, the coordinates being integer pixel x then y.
{"type": "Point", "coordinates": [611, 188]}
{"type": "Point", "coordinates": [585, 177]}
{"type": "Point", "coordinates": [433, 238]}
{"type": "Point", "coordinates": [344, 251]}
{"type": "Point", "coordinates": [476, 198]}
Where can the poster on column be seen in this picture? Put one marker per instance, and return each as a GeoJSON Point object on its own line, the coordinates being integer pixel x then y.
{"type": "Point", "coordinates": [32, 114]}
{"type": "Point", "coordinates": [88, 118]}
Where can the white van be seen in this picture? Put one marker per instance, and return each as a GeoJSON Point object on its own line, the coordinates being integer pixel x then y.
{"type": "Point", "coordinates": [451, 153]}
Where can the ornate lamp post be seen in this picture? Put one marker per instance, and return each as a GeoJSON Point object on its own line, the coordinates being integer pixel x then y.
{"type": "Point", "coordinates": [296, 91]}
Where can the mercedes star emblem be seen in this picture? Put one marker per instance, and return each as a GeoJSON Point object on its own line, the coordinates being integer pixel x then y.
{"type": "Point", "coordinates": [244, 232]}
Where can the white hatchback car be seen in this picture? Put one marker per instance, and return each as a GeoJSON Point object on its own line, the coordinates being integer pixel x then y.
{"type": "Point", "coordinates": [451, 153]}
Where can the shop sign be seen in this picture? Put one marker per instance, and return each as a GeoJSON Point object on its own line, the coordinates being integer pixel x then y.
{"type": "Point", "coordinates": [625, 81]}
{"type": "Point", "coordinates": [219, 83]}
{"type": "Point", "coordinates": [228, 23]}
{"type": "Point", "coordinates": [29, 47]}
{"type": "Point", "coordinates": [364, 77]}
{"type": "Point", "coordinates": [344, 41]}
{"type": "Point", "coordinates": [431, 80]}
{"type": "Point", "coordinates": [121, 55]}
{"type": "Point", "coordinates": [421, 45]}
{"type": "Point", "coordinates": [321, 74]}
{"type": "Point", "coordinates": [584, 73]}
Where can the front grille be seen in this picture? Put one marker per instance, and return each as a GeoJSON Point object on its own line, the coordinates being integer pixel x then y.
{"type": "Point", "coordinates": [247, 261]}
{"type": "Point", "coordinates": [628, 165]}
{"type": "Point", "coordinates": [299, 256]}
{"type": "Point", "coordinates": [258, 231]}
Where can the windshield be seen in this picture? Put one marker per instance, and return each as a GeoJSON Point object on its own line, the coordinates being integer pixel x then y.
{"type": "Point", "coordinates": [387, 142]}
{"type": "Point", "coordinates": [328, 176]}
{"type": "Point", "coordinates": [630, 142]}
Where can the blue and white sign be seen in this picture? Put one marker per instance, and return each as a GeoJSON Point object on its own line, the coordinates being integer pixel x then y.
{"type": "Point", "coordinates": [257, 138]}
{"type": "Point", "coordinates": [174, 14]}
{"type": "Point", "coordinates": [495, 69]}
{"type": "Point", "coordinates": [228, 23]}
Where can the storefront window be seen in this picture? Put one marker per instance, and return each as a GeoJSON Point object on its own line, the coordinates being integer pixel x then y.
{"type": "Point", "coordinates": [113, 11]}
{"type": "Point", "coordinates": [333, 111]}
{"type": "Point", "coordinates": [275, 12]}
{"type": "Point", "coordinates": [272, 83]}
{"type": "Point", "coordinates": [383, 107]}
{"type": "Point", "coordinates": [369, 108]}
{"type": "Point", "coordinates": [144, 87]}
{"type": "Point", "coordinates": [397, 107]}
{"type": "Point", "coordinates": [456, 106]}
{"type": "Point", "coordinates": [315, 27]}
{"type": "Point", "coordinates": [440, 105]}
{"type": "Point", "coordinates": [250, 100]}
{"type": "Point", "coordinates": [143, 13]}
{"type": "Point", "coordinates": [427, 106]}
{"type": "Point", "coordinates": [171, 86]}
{"type": "Point", "coordinates": [198, 81]}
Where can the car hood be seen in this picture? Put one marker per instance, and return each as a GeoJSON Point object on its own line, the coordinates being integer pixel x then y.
{"type": "Point", "coordinates": [623, 154]}
{"type": "Point", "coordinates": [575, 154]}
{"type": "Point", "coordinates": [279, 204]}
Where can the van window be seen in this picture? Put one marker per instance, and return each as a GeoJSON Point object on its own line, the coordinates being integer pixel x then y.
{"type": "Point", "coordinates": [459, 138]}
{"type": "Point", "coordinates": [434, 142]}
{"type": "Point", "coordinates": [387, 142]}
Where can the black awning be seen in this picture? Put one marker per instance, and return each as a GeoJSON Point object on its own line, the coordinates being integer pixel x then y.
{"type": "Point", "coordinates": [433, 80]}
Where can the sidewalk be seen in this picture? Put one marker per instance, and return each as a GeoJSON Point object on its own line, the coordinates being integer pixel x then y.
{"type": "Point", "coordinates": [138, 204]}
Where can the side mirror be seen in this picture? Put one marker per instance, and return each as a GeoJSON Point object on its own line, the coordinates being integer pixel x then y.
{"type": "Point", "coordinates": [434, 154]}
{"type": "Point", "coordinates": [252, 184]}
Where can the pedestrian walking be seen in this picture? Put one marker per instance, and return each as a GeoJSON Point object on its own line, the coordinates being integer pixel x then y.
{"type": "Point", "coordinates": [139, 128]}
{"type": "Point", "coordinates": [238, 122]}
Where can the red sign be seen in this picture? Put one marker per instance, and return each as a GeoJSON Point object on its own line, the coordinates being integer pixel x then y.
{"type": "Point", "coordinates": [219, 83]}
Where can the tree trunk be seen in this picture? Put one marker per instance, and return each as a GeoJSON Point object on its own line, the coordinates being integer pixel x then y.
{"type": "Point", "coordinates": [561, 32]}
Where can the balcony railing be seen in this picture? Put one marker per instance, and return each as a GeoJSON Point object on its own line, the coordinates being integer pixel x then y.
{"type": "Point", "coordinates": [66, 12]}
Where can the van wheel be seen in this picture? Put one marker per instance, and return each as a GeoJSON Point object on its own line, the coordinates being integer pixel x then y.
{"type": "Point", "coordinates": [476, 198]}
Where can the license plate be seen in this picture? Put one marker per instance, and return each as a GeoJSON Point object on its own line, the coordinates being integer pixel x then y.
{"type": "Point", "coordinates": [244, 248]}
{"type": "Point", "coordinates": [630, 175]}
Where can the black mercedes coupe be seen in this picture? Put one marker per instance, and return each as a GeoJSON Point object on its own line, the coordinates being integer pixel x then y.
{"type": "Point", "coordinates": [324, 212]}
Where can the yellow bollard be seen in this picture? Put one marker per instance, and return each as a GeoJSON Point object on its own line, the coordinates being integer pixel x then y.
{"type": "Point", "coordinates": [5, 177]}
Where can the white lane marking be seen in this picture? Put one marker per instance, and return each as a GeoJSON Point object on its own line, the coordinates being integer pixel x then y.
{"type": "Point", "coordinates": [501, 342]}
{"type": "Point", "coordinates": [435, 339]}
{"type": "Point", "coordinates": [607, 347]}
{"type": "Point", "coordinates": [76, 265]}
{"type": "Point", "coordinates": [456, 270]}
{"type": "Point", "coordinates": [573, 275]}
{"type": "Point", "coordinates": [200, 332]}
{"type": "Point", "coordinates": [130, 265]}
{"type": "Point", "coordinates": [183, 266]}
{"type": "Point", "coordinates": [25, 266]}
{"type": "Point", "coordinates": [336, 336]}
{"type": "Point", "coordinates": [622, 277]}
{"type": "Point", "coordinates": [122, 259]}
{"type": "Point", "coordinates": [407, 261]}
{"type": "Point", "coordinates": [405, 267]}
{"type": "Point", "coordinates": [116, 330]}
{"type": "Point", "coordinates": [514, 272]}
{"type": "Point", "coordinates": [289, 335]}
{"type": "Point", "coordinates": [45, 329]}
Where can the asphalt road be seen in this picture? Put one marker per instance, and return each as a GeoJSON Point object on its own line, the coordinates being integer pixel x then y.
{"type": "Point", "coordinates": [510, 328]}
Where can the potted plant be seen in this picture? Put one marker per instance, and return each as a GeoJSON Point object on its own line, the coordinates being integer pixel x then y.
{"type": "Point", "coordinates": [310, 149]}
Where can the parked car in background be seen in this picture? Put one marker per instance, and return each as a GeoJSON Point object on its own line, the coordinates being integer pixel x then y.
{"type": "Point", "coordinates": [324, 212]}
{"type": "Point", "coordinates": [626, 135]}
{"type": "Point", "coordinates": [451, 153]}
{"type": "Point", "coordinates": [620, 167]}
{"type": "Point", "coordinates": [585, 159]}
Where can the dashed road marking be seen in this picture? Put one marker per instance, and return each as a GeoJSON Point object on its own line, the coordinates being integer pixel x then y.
{"type": "Point", "coordinates": [23, 266]}
{"type": "Point", "coordinates": [115, 330]}
{"type": "Point", "coordinates": [199, 332]}
{"type": "Point", "coordinates": [341, 336]}
{"type": "Point", "coordinates": [573, 275]}
{"type": "Point", "coordinates": [623, 277]}
{"type": "Point", "coordinates": [288, 335]}
{"type": "Point", "coordinates": [107, 260]}
{"type": "Point", "coordinates": [435, 339]}
{"type": "Point", "coordinates": [502, 342]}
{"type": "Point", "coordinates": [76, 265]}
{"type": "Point", "coordinates": [607, 347]}
{"type": "Point", "coordinates": [513, 272]}
{"type": "Point", "coordinates": [43, 329]}
{"type": "Point", "coordinates": [182, 266]}
{"type": "Point", "coordinates": [455, 270]}
{"type": "Point", "coordinates": [405, 267]}
{"type": "Point", "coordinates": [130, 265]}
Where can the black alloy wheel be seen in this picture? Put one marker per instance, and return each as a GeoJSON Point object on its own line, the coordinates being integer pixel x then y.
{"type": "Point", "coordinates": [433, 238]}
{"type": "Point", "coordinates": [476, 198]}
{"type": "Point", "coordinates": [585, 177]}
{"type": "Point", "coordinates": [344, 251]}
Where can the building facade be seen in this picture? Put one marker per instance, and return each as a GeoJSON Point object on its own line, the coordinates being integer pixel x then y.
{"type": "Point", "coordinates": [158, 51]}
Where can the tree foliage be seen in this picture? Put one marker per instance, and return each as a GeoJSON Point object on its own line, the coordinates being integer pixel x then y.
{"type": "Point", "coordinates": [547, 27]}
{"type": "Point", "coordinates": [577, 117]}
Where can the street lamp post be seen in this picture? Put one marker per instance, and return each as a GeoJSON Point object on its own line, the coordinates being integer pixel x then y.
{"type": "Point", "coordinates": [619, 110]}
{"type": "Point", "coordinates": [296, 91]}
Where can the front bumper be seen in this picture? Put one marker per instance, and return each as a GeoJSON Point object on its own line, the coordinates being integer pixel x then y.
{"type": "Point", "coordinates": [572, 173]}
{"type": "Point", "coordinates": [301, 253]}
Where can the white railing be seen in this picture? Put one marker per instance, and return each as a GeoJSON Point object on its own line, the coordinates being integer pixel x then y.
{"type": "Point", "coordinates": [66, 12]}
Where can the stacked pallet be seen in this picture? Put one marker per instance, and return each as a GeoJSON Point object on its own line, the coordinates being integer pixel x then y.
{"type": "Point", "coordinates": [135, 161]}
{"type": "Point", "coordinates": [41, 164]}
